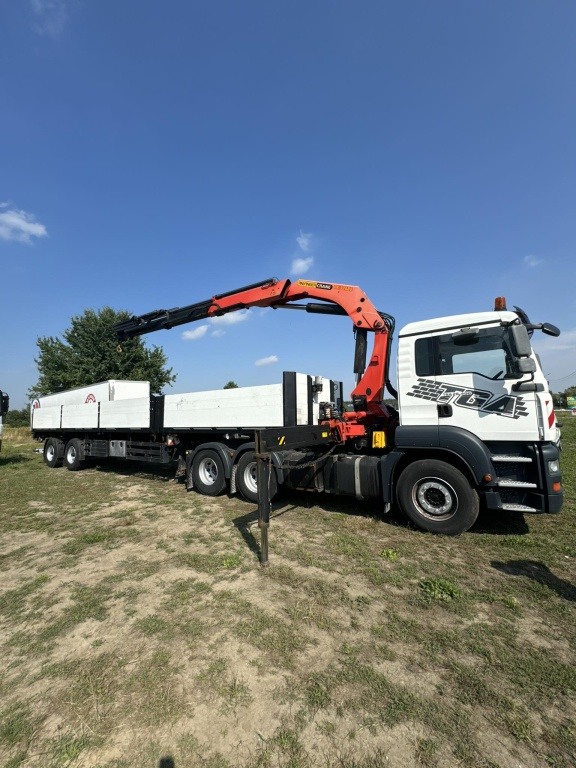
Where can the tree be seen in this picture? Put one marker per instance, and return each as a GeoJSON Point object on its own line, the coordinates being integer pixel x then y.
{"type": "Point", "coordinates": [16, 418]}
{"type": "Point", "coordinates": [90, 353]}
{"type": "Point", "coordinates": [231, 385]}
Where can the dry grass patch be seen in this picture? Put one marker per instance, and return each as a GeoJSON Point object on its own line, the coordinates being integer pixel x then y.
{"type": "Point", "coordinates": [136, 628]}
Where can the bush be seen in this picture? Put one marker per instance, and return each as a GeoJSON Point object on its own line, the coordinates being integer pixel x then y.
{"type": "Point", "coordinates": [17, 418]}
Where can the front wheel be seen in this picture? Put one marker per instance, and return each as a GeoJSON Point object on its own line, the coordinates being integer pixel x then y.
{"type": "Point", "coordinates": [437, 497]}
{"type": "Point", "coordinates": [247, 481]}
{"type": "Point", "coordinates": [208, 473]}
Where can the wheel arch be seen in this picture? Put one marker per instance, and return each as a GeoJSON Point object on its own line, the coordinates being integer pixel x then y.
{"type": "Point", "coordinates": [275, 458]}
{"type": "Point", "coordinates": [223, 452]}
{"type": "Point", "coordinates": [455, 446]}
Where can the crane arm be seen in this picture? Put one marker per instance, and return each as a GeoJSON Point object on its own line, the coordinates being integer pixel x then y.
{"type": "Point", "coordinates": [333, 298]}
{"type": "Point", "coordinates": [268, 293]}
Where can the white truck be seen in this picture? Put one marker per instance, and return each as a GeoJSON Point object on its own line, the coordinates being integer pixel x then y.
{"type": "Point", "coordinates": [475, 423]}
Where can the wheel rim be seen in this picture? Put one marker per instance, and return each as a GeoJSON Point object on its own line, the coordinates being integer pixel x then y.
{"type": "Point", "coordinates": [50, 453]}
{"type": "Point", "coordinates": [435, 498]}
{"type": "Point", "coordinates": [71, 455]}
{"type": "Point", "coordinates": [250, 477]}
{"type": "Point", "coordinates": [208, 471]}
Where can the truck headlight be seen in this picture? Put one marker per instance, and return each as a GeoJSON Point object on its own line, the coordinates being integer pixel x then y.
{"type": "Point", "coordinates": [554, 467]}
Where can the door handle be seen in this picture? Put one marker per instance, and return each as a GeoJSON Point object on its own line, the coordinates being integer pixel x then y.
{"type": "Point", "coordinates": [444, 411]}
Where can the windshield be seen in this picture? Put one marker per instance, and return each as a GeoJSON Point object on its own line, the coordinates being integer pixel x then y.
{"type": "Point", "coordinates": [485, 351]}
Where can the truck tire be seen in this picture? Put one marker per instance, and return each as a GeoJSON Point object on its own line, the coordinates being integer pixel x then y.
{"type": "Point", "coordinates": [208, 473]}
{"type": "Point", "coordinates": [437, 497]}
{"type": "Point", "coordinates": [72, 454]}
{"type": "Point", "coordinates": [50, 453]}
{"type": "Point", "coordinates": [246, 480]}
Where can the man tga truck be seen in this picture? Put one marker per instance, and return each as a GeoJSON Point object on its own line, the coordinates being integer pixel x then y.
{"type": "Point", "coordinates": [4, 405]}
{"type": "Point", "coordinates": [474, 422]}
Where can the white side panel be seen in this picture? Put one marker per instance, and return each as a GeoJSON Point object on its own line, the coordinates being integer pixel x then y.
{"type": "Point", "coordinates": [114, 389]}
{"type": "Point", "coordinates": [93, 393]}
{"type": "Point", "coordinates": [46, 418]}
{"type": "Point", "coordinates": [260, 406]}
{"type": "Point", "coordinates": [124, 390]}
{"type": "Point", "coordinates": [301, 398]}
{"type": "Point", "coordinates": [125, 414]}
{"type": "Point", "coordinates": [80, 416]}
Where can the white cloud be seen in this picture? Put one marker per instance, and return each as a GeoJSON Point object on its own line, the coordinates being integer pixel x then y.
{"type": "Point", "coordinates": [304, 241]}
{"type": "Point", "coordinates": [51, 16]}
{"type": "Point", "coordinates": [19, 226]}
{"type": "Point", "coordinates": [532, 261]}
{"type": "Point", "coordinates": [224, 320]}
{"type": "Point", "coordinates": [195, 333]}
{"type": "Point", "coordinates": [231, 318]}
{"type": "Point", "coordinates": [270, 360]}
{"type": "Point", "coordinates": [547, 345]}
{"type": "Point", "coordinates": [301, 265]}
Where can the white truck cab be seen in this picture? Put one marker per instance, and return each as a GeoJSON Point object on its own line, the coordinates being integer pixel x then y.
{"type": "Point", "coordinates": [471, 386]}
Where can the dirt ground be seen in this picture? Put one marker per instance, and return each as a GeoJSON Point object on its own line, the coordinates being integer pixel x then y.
{"type": "Point", "coordinates": [137, 628]}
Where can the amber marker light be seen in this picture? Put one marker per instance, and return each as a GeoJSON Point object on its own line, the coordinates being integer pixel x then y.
{"type": "Point", "coordinates": [557, 487]}
{"type": "Point", "coordinates": [500, 304]}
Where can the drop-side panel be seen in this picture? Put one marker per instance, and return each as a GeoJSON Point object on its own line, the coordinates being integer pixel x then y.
{"type": "Point", "coordinates": [125, 414]}
{"type": "Point", "coordinates": [124, 390]}
{"type": "Point", "coordinates": [245, 407]}
{"type": "Point", "coordinates": [80, 416]}
{"type": "Point", "coordinates": [46, 418]}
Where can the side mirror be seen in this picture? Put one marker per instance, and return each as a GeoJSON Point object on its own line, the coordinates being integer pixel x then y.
{"type": "Point", "coordinates": [4, 403]}
{"type": "Point", "coordinates": [550, 330]}
{"type": "Point", "coordinates": [526, 365]}
{"type": "Point", "coordinates": [520, 341]}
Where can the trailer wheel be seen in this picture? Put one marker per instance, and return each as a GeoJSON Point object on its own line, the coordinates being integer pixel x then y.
{"type": "Point", "coordinates": [246, 479]}
{"type": "Point", "coordinates": [437, 497]}
{"type": "Point", "coordinates": [208, 473]}
{"type": "Point", "coordinates": [72, 455]}
{"type": "Point", "coordinates": [51, 458]}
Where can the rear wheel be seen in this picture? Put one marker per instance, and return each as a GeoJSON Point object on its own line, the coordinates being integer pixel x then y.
{"type": "Point", "coordinates": [247, 481]}
{"type": "Point", "coordinates": [72, 455]}
{"type": "Point", "coordinates": [208, 473]}
{"type": "Point", "coordinates": [437, 497]}
{"type": "Point", "coordinates": [51, 458]}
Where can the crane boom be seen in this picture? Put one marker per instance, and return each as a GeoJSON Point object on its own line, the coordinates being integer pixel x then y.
{"type": "Point", "coordinates": [334, 298]}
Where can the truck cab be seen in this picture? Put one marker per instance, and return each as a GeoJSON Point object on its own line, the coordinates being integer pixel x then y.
{"type": "Point", "coordinates": [472, 385]}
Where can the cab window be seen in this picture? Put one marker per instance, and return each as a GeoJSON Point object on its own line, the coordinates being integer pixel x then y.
{"type": "Point", "coordinates": [484, 352]}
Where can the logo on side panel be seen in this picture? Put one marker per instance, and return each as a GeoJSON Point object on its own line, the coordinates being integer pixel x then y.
{"type": "Point", "coordinates": [90, 398]}
{"type": "Point", "coordinates": [510, 406]}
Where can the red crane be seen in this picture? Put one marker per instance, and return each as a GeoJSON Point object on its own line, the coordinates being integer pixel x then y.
{"type": "Point", "coordinates": [334, 299]}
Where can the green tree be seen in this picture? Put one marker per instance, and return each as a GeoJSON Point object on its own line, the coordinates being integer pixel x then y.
{"type": "Point", "coordinates": [16, 418]}
{"type": "Point", "coordinates": [231, 385]}
{"type": "Point", "coordinates": [89, 353]}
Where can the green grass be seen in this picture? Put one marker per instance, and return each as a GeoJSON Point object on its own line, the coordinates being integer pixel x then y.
{"type": "Point", "coordinates": [136, 626]}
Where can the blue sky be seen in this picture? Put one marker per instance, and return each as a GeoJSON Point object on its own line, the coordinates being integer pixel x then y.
{"type": "Point", "coordinates": [154, 154]}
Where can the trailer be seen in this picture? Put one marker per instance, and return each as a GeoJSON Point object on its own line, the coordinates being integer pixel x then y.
{"type": "Point", "coordinates": [208, 434]}
{"type": "Point", "coordinates": [474, 426]}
